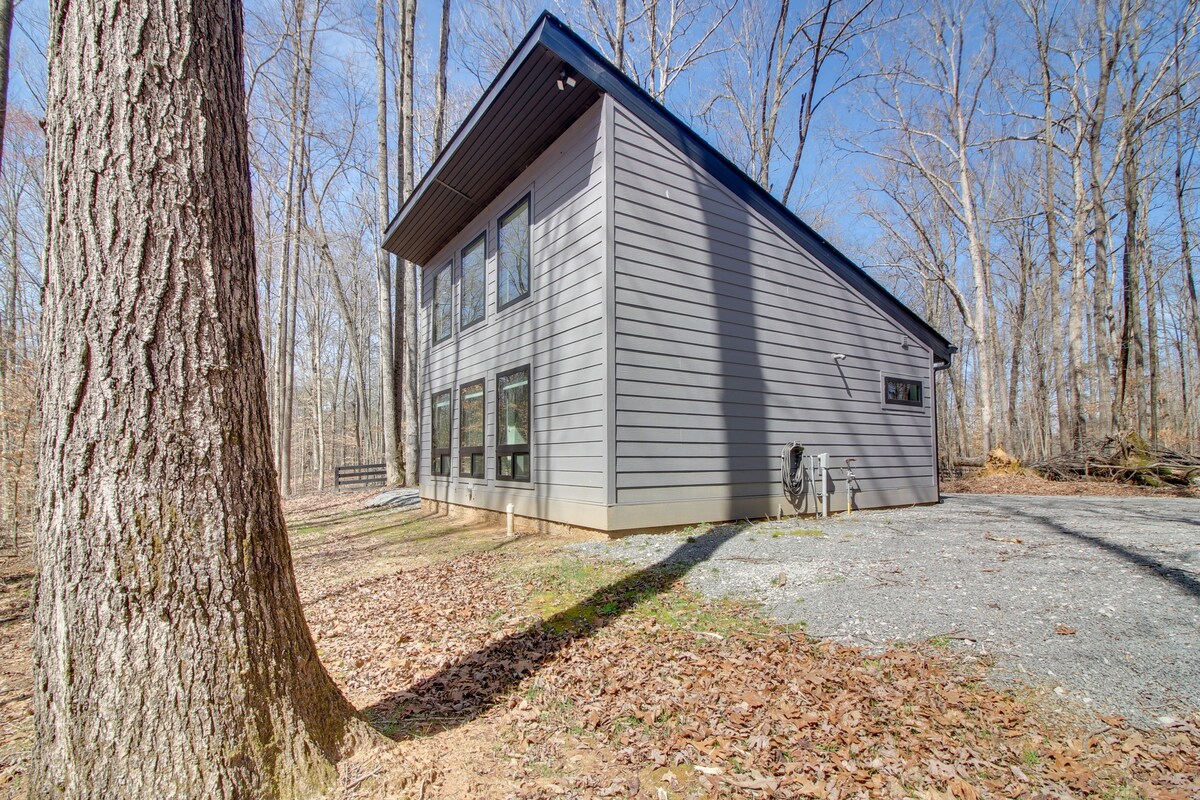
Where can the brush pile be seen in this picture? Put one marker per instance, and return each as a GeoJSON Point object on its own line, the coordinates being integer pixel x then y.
{"type": "Point", "coordinates": [1126, 458]}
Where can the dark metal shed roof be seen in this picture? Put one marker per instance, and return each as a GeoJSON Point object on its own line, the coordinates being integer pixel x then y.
{"type": "Point", "coordinates": [523, 112]}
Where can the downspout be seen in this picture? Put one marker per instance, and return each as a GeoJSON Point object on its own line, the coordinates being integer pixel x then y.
{"type": "Point", "coordinates": [938, 366]}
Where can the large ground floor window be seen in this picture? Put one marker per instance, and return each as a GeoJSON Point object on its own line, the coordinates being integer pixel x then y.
{"type": "Point", "coordinates": [512, 424]}
{"type": "Point", "coordinates": [440, 446]}
{"type": "Point", "coordinates": [471, 458]}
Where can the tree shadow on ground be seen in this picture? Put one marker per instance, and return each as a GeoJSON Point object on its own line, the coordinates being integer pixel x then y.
{"type": "Point", "coordinates": [465, 689]}
{"type": "Point", "coordinates": [1180, 578]}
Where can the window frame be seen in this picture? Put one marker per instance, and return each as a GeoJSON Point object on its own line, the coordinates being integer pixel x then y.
{"type": "Point", "coordinates": [513, 450]}
{"type": "Point", "coordinates": [901, 405]}
{"type": "Point", "coordinates": [466, 455]}
{"type": "Point", "coordinates": [448, 270]}
{"type": "Point", "coordinates": [437, 467]}
{"type": "Point", "coordinates": [462, 324]}
{"type": "Point", "coordinates": [527, 199]}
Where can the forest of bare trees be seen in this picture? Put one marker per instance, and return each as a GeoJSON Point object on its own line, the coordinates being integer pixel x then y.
{"type": "Point", "coordinates": [1022, 174]}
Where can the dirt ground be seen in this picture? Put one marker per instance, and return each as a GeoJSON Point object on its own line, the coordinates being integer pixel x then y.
{"type": "Point", "coordinates": [512, 668]}
{"type": "Point", "coordinates": [985, 482]}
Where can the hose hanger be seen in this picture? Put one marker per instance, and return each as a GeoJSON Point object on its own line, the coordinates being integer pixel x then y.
{"type": "Point", "coordinates": [792, 472]}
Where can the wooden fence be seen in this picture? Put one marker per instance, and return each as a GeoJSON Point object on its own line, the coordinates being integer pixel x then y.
{"type": "Point", "coordinates": [359, 476]}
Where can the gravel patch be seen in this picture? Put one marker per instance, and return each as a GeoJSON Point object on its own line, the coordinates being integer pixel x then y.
{"type": "Point", "coordinates": [395, 498]}
{"type": "Point", "coordinates": [1095, 598]}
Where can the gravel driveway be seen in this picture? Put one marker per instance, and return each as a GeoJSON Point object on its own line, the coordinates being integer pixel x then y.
{"type": "Point", "coordinates": [1099, 599]}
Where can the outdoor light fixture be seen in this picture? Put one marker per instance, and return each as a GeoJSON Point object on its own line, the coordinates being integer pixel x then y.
{"type": "Point", "coordinates": [566, 76]}
{"type": "Point", "coordinates": [838, 356]}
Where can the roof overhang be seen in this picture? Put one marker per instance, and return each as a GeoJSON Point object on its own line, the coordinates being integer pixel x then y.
{"type": "Point", "coordinates": [521, 114]}
{"type": "Point", "coordinates": [524, 111]}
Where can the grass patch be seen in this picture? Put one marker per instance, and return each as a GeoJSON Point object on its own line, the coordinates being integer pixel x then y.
{"type": "Point", "coordinates": [809, 532]}
{"type": "Point", "coordinates": [571, 594]}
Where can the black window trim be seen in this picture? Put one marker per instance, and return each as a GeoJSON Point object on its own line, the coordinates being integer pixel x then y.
{"type": "Point", "coordinates": [513, 449]}
{"type": "Point", "coordinates": [461, 251]}
{"type": "Point", "coordinates": [919, 403]}
{"type": "Point", "coordinates": [449, 265]}
{"type": "Point", "coordinates": [437, 452]}
{"type": "Point", "coordinates": [467, 452]}
{"type": "Point", "coordinates": [528, 199]}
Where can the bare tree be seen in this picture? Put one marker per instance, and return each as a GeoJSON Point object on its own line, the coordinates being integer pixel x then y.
{"type": "Point", "coordinates": [932, 101]}
{"type": "Point", "coordinates": [483, 48]}
{"type": "Point", "coordinates": [303, 39]}
{"type": "Point", "coordinates": [162, 551]}
{"type": "Point", "coordinates": [1156, 37]}
{"type": "Point", "coordinates": [678, 35]}
{"type": "Point", "coordinates": [383, 262]}
{"type": "Point", "coordinates": [1184, 139]}
{"type": "Point", "coordinates": [439, 113]}
{"type": "Point", "coordinates": [6, 24]}
{"type": "Point", "coordinates": [776, 53]}
{"type": "Point", "coordinates": [407, 298]}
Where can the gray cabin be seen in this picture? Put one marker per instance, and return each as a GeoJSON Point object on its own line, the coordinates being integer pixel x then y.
{"type": "Point", "coordinates": [620, 330]}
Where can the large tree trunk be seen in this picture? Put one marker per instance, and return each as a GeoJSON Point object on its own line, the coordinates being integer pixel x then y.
{"type": "Point", "coordinates": [1044, 30]}
{"type": "Point", "coordinates": [1078, 294]}
{"type": "Point", "coordinates": [1108, 47]}
{"type": "Point", "coordinates": [171, 656]}
{"type": "Point", "coordinates": [407, 299]}
{"type": "Point", "coordinates": [1152, 360]}
{"type": "Point", "coordinates": [439, 110]}
{"type": "Point", "coordinates": [383, 264]}
{"type": "Point", "coordinates": [6, 23]}
{"type": "Point", "coordinates": [1127, 411]}
{"type": "Point", "coordinates": [1018, 333]}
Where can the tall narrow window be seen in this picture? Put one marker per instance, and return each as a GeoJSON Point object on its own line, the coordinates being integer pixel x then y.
{"type": "Point", "coordinates": [512, 255]}
{"type": "Point", "coordinates": [512, 425]}
{"type": "Point", "coordinates": [443, 304]}
{"type": "Point", "coordinates": [440, 464]}
{"type": "Point", "coordinates": [470, 430]}
{"type": "Point", "coordinates": [472, 286]}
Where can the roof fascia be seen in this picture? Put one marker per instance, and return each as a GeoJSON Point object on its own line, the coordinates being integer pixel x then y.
{"type": "Point", "coordinates": [531, 41]}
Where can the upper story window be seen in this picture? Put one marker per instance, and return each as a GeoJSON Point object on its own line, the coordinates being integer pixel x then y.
{"type": "Point", "coordinates": [903, 392]}
{"type": "Point", "coordinates": [470, 430]}
{"type": "Point", "coordinates": [440, 446]}
{"type": "Point", "coordinates": [512, 425]}
{"type": "Point", "coordinates": [512, 255]}
{"type": "Point", "coordinates": [443, 304]}
{"type": "Point", "coordinates": [472, 287]}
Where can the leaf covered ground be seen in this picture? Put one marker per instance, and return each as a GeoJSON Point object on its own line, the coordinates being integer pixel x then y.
{"type": "Point", "coordinates": [511, 668]}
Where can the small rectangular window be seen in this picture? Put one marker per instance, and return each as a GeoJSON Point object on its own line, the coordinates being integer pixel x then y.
{"type": "Point", "coordinates": [903, 392]}
{"type": "Point", "coordinates": [470, 430]}
{"type": "Point", "coordinates": [512, 425]}
{"type": "Point", "coordinates": [472, 285]}
{"type": "Point", "coordinates": [440, 464]}
{"type": "Point", "coordinates": [443, 304]}
{"type": "Point", "coordinates": [512, 255]}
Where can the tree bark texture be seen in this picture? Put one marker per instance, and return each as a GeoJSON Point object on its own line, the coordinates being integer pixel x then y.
{"type": "Point", "coordinates": [439, 109]}
{"type": "Point", "coordinates": [383, 264]}
{"type": "Point", "coordinates": [171, 655]}
{"type": "Point", "coordinates": [6, 23]}
{"type": "Point", "coordinates": [407, 298]}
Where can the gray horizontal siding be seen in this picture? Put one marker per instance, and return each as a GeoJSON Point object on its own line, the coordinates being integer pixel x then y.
{"type": "Point", "coordinates": [724, 331]}
{"type": "Point", "coordinates": [560, 331]}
